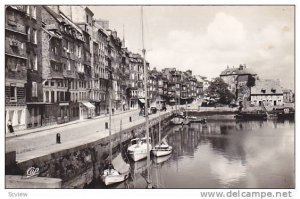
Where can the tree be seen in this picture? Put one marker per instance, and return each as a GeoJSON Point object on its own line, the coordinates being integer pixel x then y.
{"type": "Point", "coordinates": [219, 89]}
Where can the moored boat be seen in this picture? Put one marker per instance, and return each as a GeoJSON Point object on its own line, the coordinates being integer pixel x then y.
{"type": "Point", "coordinates": [251, 116]}
{"type": "Point", "coordinates": [194, 119]}
{"type": "Point", "coordinates": [162, 149]}
{"type": "Point", "coordinates": [138, 148]}
{"type": "Point", "coordinates": [117, 172]}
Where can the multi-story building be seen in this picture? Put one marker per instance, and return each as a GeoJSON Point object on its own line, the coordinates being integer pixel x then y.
{"type": "Point", "coordinates": [237, 80]}
{"type": "Point", "coordinates": [82, 16]}
{"type": "Point", "coordinates": [72, 60]}
{"type": "Point", "coordinates": [161, 88]}
{"type": "Point", "coordinates": [55, 86]}
{"type": "Point", "coordinates": [16, 62]}
{"type": "Point", "coordinates": [152, 87]}
{"type": "Point", "coordinates": [200, 86]}
{"type": "Point", "coordinates": [174, 87]}
{"type": "Point", "coordinates": [125, 77]}
{"type": "Point", "coordinates": [288, 96]}
{"type": "Point", "coordinates": [34, 90]}
{"type": "Point", "coordinates": [267, 93]}
{"type": "Point", "coordinates": [136, 81]}
{"type": "Point", "coordinates": [100, 76]}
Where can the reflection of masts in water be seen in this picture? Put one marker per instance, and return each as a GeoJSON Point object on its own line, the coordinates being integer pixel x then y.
{"type": "Point", "coordinates": [146, 100]}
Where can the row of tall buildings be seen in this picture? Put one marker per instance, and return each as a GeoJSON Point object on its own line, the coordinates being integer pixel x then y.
{"type": "Point", "coordinates": [61, 62]}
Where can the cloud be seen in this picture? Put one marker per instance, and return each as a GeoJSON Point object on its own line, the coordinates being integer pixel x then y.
{"type": "Point", "coordinates": [227, 41]}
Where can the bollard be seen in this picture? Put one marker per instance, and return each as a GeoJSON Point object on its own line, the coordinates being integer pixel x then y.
{"type": "Point", "coordinates": [130, 119]}
{"type": "Point", "coordinates": [58, 138]}
{"type": "Point", "coordinates": [106, 125]}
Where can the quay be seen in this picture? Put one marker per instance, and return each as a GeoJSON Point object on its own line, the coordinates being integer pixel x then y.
{"type": "Point", "coordinates": [84, 148]}
{"type": "Point", "coordinates": [78, 160]}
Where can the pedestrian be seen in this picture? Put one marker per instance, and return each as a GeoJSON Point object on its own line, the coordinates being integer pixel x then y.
{"type": "Point", "coordinates": [10, 127]}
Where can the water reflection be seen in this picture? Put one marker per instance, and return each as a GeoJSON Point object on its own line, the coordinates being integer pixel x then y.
{"type": "Point", "coordinates": [256, 154]}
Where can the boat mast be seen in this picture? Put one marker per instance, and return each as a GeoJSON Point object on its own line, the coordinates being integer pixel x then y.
{"type": "Point", "coordinates": [146, 98]}
{"type": "Point", "coordinates": [159, 135]}
{"type": "Point", "coordinates": [110, 113]}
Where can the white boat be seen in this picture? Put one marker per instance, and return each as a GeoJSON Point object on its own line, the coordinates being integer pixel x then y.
{"type": "Point", "coordinates": [112, 176]}
{"type": "Point", "coordinates": [162, 148]}
{"type": "Point", "coordinates": [177, 120]}
{"type": "Point", "coordinates": [118, 173]}
{"type": "Point", "coordinates": [118, 170]}
{"type": "Point", "coordinates": [138, 148]}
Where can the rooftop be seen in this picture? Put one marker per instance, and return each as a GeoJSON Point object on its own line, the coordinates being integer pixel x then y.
{"type": "Point", "coordinates": [241, 70]}
{"type": "Point", "coordinates": [266, 87]}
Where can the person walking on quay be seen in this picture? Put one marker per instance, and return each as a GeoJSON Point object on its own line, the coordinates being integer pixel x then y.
{"type": "Point", "coordinates": [10, 127]}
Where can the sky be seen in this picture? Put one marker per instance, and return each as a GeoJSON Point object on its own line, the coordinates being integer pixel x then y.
{"type": "Point", "coordinates": [207, 39]}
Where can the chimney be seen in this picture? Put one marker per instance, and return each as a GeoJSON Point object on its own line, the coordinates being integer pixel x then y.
{"type": "Point", "coordinates": [114, 34]}
{"type": "Point", "coordinates": [241, 67]}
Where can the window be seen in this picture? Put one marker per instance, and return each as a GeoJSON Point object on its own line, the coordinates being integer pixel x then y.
{"type": "Point", "coordinates": [68, 65]}
{"type": "Point", "coordinates": [47, 99]}
{"type": "Point", "coordinates": [11, 15]}
{"type": "Point", "coordinates": [34, 36]}
{"type": "Point", "coordinates": [46, 83]}
{"type": "Point", "coordinates": [33, 12]}
{"type": "Point", "coordinates": [28, 34]}
{"type": "Point", "coordinates": [79, 51]}
{"type": "Point", "coordinates": [34, 62]}
{"type": "Point", "coordinates": [13, 92]}
{"type": "Point", "coordinates": [52, 83]}
{"type": "Point", "coordinates": [34, 89]}
{"type": "Point", "coordinates": [68, 46]}
{"type": "Point", "coordinates": [55, 50]}
{"type": "Point", "coordinates": [28, 10]}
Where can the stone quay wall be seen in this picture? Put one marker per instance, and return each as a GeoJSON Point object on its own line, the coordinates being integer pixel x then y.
{"type": "Point", "coordinates": [78, 166]}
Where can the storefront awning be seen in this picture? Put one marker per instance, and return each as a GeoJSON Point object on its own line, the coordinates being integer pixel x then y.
{"type": "Point", "coordinates": [88, 105]}
{"type": "Point", "coordinates": [142, 100]}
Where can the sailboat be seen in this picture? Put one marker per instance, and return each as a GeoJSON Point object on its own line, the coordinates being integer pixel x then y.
{"type": "Point", "coordinates": [162, 148]}
{"type": "Point", "coordinates": [141, 147]}
{"type": "Point", "coordinates": [117, 170]}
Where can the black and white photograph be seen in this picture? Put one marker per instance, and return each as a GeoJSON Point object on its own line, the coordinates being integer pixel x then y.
{"type": "Point", "coordinates": [147, 96]}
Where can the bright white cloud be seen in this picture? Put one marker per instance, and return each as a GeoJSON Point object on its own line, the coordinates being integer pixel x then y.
{"type": "Point", "coordinates": [268, 51]}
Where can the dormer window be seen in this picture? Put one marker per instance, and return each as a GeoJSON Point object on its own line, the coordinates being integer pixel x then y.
{"type": "Point", "coordinates": [263, 90]}
{"type": "Point", "coordinates": [273, 90]}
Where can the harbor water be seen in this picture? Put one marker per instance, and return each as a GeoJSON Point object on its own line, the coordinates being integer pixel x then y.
{"type": "Point", "coordinates": [221, 154]}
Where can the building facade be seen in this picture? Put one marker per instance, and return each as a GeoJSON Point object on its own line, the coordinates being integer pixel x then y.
{"type": "Point", "coordinates": [16, 64]}
{"type": "Point", "coordinates": [239, 81]}
{"type": "Point", "coordinates": [267, 93]}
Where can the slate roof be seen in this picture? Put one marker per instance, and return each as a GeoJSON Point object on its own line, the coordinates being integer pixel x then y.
{"type": "Point", "coordinates": [266, 87]}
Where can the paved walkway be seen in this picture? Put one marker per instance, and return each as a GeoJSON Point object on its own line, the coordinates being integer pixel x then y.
{"type": "Point", "coordinates": [45, 128]}
{"type": "Point", "coordinates": [33, 143]}
{"type": "Point", "coordinates": [43, 142]}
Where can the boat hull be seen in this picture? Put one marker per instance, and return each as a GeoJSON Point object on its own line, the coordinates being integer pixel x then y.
{"type": "Point", "coordinates": [140, 153]}
{"type": "Point", "coordinates": [110, 179]}
{"type": "Point", "coordinates": [177, 121]}
{"type": "Point", "coordinates": [158, 152]}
